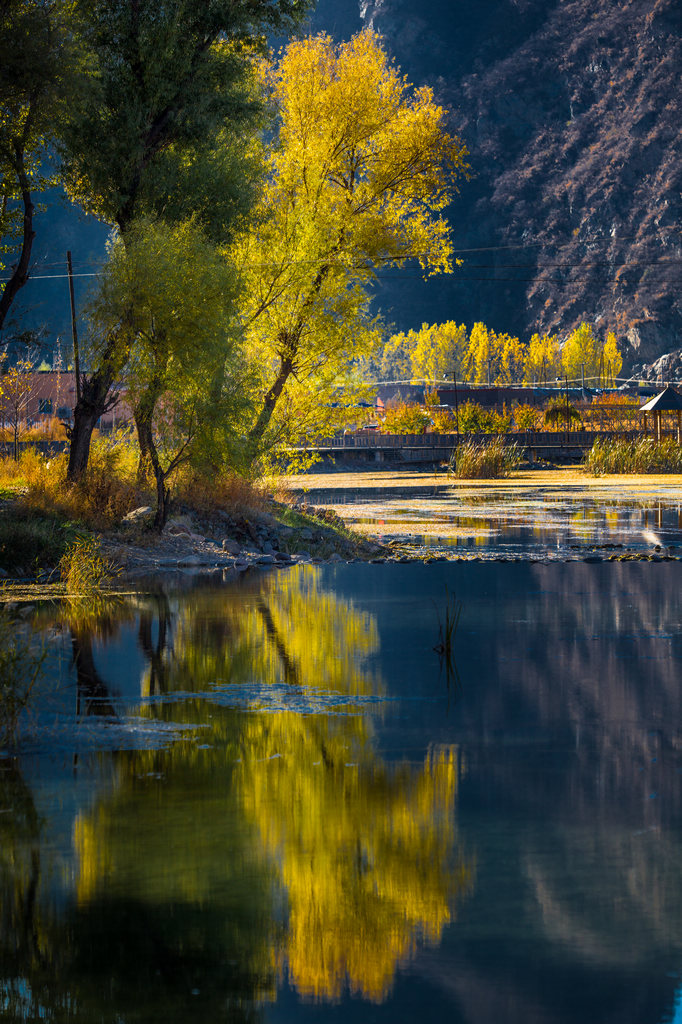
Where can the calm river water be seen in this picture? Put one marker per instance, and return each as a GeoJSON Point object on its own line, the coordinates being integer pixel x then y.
{"type": "Point", "coordinates": [270, 800]}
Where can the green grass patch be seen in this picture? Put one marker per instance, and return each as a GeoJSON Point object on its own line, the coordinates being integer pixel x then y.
{"type": "Point", "coordinates": [31, 541]}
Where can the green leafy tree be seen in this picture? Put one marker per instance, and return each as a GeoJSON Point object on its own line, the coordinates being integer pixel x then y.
{"type": "Point", "coordinates": [185, 379]}
{"type": "Point", "coordinates": [170, 85]}
{"type": "Point", "coordinates": [361, 169]}
{"type": "Point", "coordinates": [38, 75]}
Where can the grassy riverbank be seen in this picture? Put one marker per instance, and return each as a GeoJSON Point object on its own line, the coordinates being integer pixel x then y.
{"type": "Point", "coordinates": [234, 524]}
{"type": "Point", "coordinates": [223, 523]}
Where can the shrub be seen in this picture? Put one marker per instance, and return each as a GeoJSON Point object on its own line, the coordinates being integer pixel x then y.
{"type": "Point", "coordinates": [644, 455]}
{"type": "Point", "coordinates": [405, 419]}
{"type": "Point", "coordinates": [443, 421]}
{"type": "Point", "coordinates": [106, 493]}
{"type": "Point", "coordinates": [474, 419]}
{"type": "Point", "coordinates": [485, 460]}
{"type": "Point", "coordinates": [526, 417]}
{"type": "Point", "coordinates": [612, 398]}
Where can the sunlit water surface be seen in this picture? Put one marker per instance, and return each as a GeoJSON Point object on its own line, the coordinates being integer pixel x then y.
{"type": "Point", "coordinates": [548, 523]}
{"type": "Point", "coordinates": [271, 800]}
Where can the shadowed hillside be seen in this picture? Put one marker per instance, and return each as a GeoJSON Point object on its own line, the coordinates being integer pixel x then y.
{"type": "Point", "coordinates": [571, 111]}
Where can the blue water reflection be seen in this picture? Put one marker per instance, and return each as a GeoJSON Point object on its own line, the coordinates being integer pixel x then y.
{"type": "Point", "coordinates": [552, 522]}
{"type": "Point", "coordinates": [271, 801]}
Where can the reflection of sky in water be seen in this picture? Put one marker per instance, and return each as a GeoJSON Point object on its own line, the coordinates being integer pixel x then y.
{"type": "Point", "coordinates": [291, 783]}
{"type": "Point", "coordinates": [555, 525]}
{"type": "Point", "coordinates": [677, 1010]}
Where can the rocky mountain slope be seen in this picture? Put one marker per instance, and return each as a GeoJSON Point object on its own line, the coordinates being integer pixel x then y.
{"type": "Point", "coordinates": [571, 110]}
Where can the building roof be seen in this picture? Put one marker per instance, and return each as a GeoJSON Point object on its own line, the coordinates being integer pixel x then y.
{"type": "Point", "coordinates": [669, 400]}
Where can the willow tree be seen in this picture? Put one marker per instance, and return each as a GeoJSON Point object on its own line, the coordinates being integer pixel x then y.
{"type": "Point", "coordinates": [169, 84]}
{"type": "Point", "coordinates": [38, 76]}
{"type": "Point", "coordinates": [170, 297]}
{"type": "Point", "coordinates": [362, 168]}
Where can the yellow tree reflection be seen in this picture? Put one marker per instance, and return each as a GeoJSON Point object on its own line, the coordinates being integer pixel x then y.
{"type": "Point", "coordinates": [366, 849]}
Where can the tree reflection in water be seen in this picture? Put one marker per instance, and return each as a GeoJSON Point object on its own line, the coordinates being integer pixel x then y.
{"type": "Point", "coordinates": [180, 864]}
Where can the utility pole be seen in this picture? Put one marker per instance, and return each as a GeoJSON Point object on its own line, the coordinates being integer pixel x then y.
{"type": "Point", "coordinates": [454, 381]}
{"type": "Point", "coordinates": [74, 329]}
{"type": "Point", "coordinates": [568, 411]}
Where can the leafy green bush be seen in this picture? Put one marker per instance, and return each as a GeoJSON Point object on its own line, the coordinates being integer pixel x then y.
{"type": "Point", "coordinates": [485, 460]}
{"type": "Point", "coordinates": [405, 418]}
{"type": "Point", "coordinates": [474, 419]}
{"type": "Point", "coordinates": [644, 455]}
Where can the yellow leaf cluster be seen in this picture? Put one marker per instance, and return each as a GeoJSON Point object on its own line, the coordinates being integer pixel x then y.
{"type": "Point", "coordinates": [359, 173]}
{"type": "Point", "coordinates": [484, 356]}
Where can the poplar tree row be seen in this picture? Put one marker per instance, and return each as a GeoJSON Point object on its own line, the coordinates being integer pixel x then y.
{"type": "Point", "coordinates": [481, 356]}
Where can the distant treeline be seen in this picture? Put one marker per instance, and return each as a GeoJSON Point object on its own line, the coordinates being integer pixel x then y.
{"type": "Point", "coordinates": [481, 355]}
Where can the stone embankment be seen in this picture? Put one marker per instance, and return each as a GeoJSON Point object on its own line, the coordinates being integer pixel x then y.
{"type": "Point", "coordinates": [190, 543]}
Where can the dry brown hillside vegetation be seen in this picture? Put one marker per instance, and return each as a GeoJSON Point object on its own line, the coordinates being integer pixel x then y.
{"type": "Point", "coordinates": [571, 111]}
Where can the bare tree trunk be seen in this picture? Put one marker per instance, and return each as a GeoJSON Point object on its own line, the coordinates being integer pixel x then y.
{"type": "Point", "coordinates": [286, 368]}
{"type": "Point", "coordinates": [20, 274]}
{"type": "Point", "coordinates": [93, 403]}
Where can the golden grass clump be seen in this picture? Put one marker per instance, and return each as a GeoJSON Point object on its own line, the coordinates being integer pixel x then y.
{"type": "Point", "coordinates": [643, 455]}
{"type": "Point", "coordinates": [227, 491]}
{"type": "Point", "coordinates": [107, 492]}
{"type": "Point", "coordinates": [485, 460]}
{"type": "Point", "coordinates": [83, 567]}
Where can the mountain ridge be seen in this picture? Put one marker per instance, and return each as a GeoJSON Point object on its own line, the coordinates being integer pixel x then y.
{"type": "Point", "coordinates": [571, 112]}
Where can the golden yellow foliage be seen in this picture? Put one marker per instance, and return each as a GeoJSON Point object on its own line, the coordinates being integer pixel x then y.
{"type": "Point", "coordinates": [360, 173]}
{"type": "Point", "coordinates": [366, 851]}
{"type": "Point", "coordinates": [543, 359]}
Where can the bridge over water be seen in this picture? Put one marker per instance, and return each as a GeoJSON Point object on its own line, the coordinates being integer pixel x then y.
{"type": "Point", "coordinates": [372, 446]}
